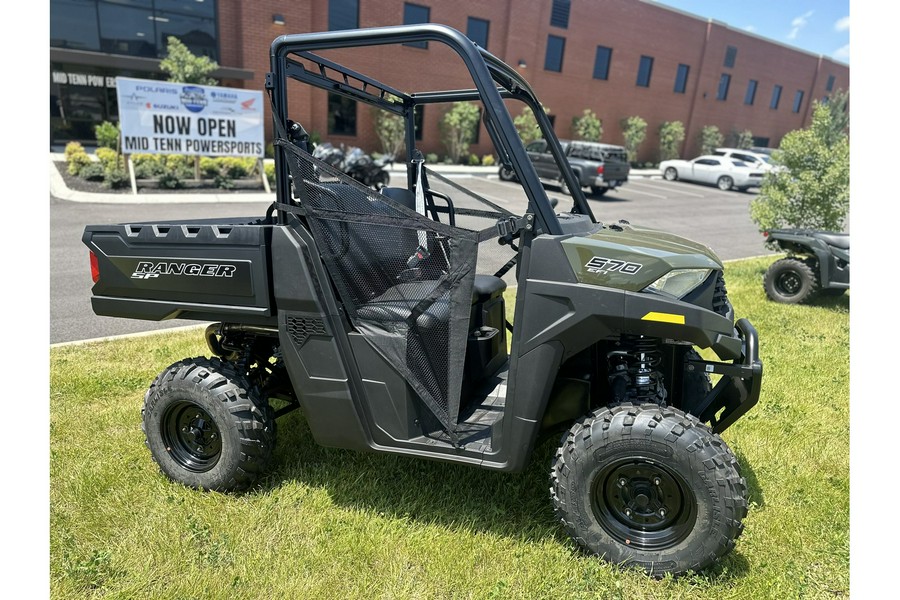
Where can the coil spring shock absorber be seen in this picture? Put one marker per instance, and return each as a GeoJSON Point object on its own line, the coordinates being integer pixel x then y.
{"type": "Point", "coordinates": [633, 376]}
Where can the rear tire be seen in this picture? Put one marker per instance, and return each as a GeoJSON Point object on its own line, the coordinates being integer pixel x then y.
{"type": "Point", "coordinates": [206, 426]}
{"type": "Point", "coordinates": [649, 487]}
{"type": "Point", "coordinates": [381, 181]}
{"type": "Point", "coordinates": [507, 174]}
{"type": "Point", "coordinates": [790, 281]}
{"type": "Point", "coordinates": [598, 190]}
{"type": "Point", "coordinates": [725, 183]}
{"type": "Point", "coordinates": [670, 174]}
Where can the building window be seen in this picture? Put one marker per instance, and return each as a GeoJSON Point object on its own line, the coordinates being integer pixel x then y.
{"type": "Point", "coordinates": [730, 55]}
{"type": "Point", "coordinates": [724, 82]}
{"type": "Point", "coordinates": [559, 14]}
{"type": "Point", "coordinates": [750, 96]}
{"type": "Point", "coordinates": [601, 62]}
{"type": "Point", "coordinates": [412, 14]}
{"type": "Point", "coordinates": [341, 115]}
{"type": "Point", "coordinates": [681, 78]}
{"type": "Point", "coordinates": [644, 71]}
{"type": "Point", "coordinates": [830, 85]}
{"type": "Point", "coordinates": [776, 97]}
{"type": "Point", "coordinates": [477, 31]}
{"type": "Point", "coordinates": [798, 101]}
{"type": "Point", "coordinates": [556, 47]}
{"type": "Point", "coordinates": [343, 14]}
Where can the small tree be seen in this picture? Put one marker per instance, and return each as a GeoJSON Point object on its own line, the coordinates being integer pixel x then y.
{"type": "Point", "coordinates": [527, 125]}
{"type": "Point", "coordinates": [107, 135]}
{"type": "Point", "coordinates": [182, 66]}
{"type": "Point", "coordinates": [458, 129]}
{"type": "Point", "coordinates": [671, 135]}
{"type": "Point", "coordinates": [587, 127]}
{"type": "Point", "coordinates": [710, 139]}
{"type": "Point", "coordinates": [742, 139]}
{"type": "Point", "coordinates": [840, 115]}
{"type": "Point", "coordinates": [634, 130]}
{"type": "Point", "coordinates": [390, 129]}
{"type": "Point", "coordinates": [813, 189]}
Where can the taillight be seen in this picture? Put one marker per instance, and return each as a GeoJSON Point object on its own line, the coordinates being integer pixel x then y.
{"type": "Point", "coordinates": [600, 170]}
{"type": "Point", "coordinates": [765, 234]}
{"type": "Point", "coordinates": [95, 268]}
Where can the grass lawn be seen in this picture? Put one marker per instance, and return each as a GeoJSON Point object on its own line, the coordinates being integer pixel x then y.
{"type": "Point", "coordinates": [338, 524]}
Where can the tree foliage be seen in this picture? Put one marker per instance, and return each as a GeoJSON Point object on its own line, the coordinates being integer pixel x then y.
{"type": "Point", "coordinates": [107, 135]}
{"type": "Point", "coordinates": [634, 130]}
{"type": "Point", "coordinates": [837, 105]}
{"type": "Point", "coordinates": [742, 139]}
{"type": "Point", "coordinates": [587, 127]}
{"type": "Point", "coordinates": [391, 130]}
{"type": "Point", "coordinates": [527, 125]}
{"type": "Point", "coordinates": [671, 135]}
{"type": "Point", "coordinates": [710, 139]}
{"type": "Point", "coordinates": [182, 66]}
{"type": "Point", "coordinates": [458, 129]}
{"type": "Point", "coordinates": [812, 190]}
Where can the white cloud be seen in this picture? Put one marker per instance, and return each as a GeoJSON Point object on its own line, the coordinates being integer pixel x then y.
{"type": "Point", "coordinates": [799, 23]}
{"type": "Point", "coordinates": [750, 28]}
{"type": "Point", "coordinates": [842, 24]}
{"type": "Point", "coordinates": [842, 53]}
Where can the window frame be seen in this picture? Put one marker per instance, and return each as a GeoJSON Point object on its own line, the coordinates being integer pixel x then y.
{"type": "Point", "coordinates": [562, 53]}
{"type": "Point", "coordinates": [644, 60]}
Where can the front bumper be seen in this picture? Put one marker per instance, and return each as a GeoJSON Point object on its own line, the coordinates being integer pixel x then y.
{"type": "Point", "coordinates": [738, 389]}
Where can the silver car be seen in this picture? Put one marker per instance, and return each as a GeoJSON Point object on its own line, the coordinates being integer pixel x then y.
{"type": "Point", "coordinates": [725, 173]}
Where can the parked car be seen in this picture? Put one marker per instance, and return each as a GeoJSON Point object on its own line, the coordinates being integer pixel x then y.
{"type": "Point", "coordinates": [600, 167]}
{"type": "Point", "coordinates": [725, 173]}
{"type": "Point", "coordinates": [756, 160]}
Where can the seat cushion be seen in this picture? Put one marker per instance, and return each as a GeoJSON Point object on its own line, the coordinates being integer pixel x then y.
{"type": "Point", "coordinates": [487, 287]}
{"type": "Point", "coordinates": [398, 302]}
{"type": "Point", "coordinates": [838, 240]}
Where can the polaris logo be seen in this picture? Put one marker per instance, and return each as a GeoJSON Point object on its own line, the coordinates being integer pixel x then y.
{"type": "Point", "coordinates": [150, 270]}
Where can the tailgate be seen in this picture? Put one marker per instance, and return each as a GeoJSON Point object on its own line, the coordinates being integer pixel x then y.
{"type": "Point", "coordinates": [188, 269]}
{"type": "Point", "coordinates": [614, 170]}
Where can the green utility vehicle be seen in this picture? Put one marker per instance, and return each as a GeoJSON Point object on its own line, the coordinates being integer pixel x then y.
{"type": "Point", "coordinates": [383, 315]}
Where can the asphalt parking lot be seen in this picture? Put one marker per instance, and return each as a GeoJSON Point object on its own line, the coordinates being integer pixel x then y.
{"type": "Point", "coordinates": [718, 219]}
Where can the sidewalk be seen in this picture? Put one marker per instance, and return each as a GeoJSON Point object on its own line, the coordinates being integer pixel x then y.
{"type": "Point", "coordinates": [59, 189]}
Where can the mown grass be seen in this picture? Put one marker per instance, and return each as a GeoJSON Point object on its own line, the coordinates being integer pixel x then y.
{"type": "Point", "coordinates": [338, 524]}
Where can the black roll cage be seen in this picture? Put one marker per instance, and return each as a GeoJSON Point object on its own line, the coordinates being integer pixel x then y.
{"type": "Point", "coordinates": [494, 80]}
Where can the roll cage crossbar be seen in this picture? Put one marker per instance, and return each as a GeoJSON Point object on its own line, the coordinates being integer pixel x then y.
{"type": "Point", "coordinates": [494, 81]}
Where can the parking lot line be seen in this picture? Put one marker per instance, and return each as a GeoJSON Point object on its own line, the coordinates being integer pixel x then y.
{"type": "Point", "coordinates": [631, 189]}
{"type": "Point", "coordinates": [667, 188]}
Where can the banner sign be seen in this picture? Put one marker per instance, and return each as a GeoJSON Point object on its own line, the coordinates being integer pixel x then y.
{"type": "Point", "coordinates": [158, 117]}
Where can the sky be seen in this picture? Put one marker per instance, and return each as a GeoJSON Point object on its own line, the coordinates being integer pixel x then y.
{"type": "Point", "coordinates": [817, 26]}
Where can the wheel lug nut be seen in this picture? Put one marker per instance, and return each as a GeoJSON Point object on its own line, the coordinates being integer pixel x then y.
{"type": "Point", "coordinates": [184, 429]}
{"type": "Point", "coordinates": [212, 436]}
{"type": "Point", "coordinates": [628, 512]}
{"type": "Point", "coordinates": [657, 481]}
{"type": "Point", "coordinates": [622, 482]}
{"type": "Point", "coordinates": [662, 512]}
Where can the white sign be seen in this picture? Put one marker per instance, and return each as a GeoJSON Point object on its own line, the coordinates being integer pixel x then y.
{"type": "Point", "coordinates": [158, 117]}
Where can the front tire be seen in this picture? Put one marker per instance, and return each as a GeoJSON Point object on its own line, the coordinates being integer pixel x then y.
{"type": "Point", "coordinates": [670, 174]}
{"type": "Point", "coordinates": [725, 183]}
{"type": "Point", "coordinates": [649, 487]}
{"type": "Point", "coordinates": [790, 281]}
{"type": "Point", "coordinates": [206, 426]}
{"type": "Point", "coordinates": [598, 190]}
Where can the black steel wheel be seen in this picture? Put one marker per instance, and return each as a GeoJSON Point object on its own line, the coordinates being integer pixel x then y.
{"type": "Point", "coordinates": [649, 487]}
{"type": "Point", "coordinates": [790, 281]}
{"type": "Point", "coordinates": [725, 183]}
{"type": "Point", "coordinates": [206, 426]}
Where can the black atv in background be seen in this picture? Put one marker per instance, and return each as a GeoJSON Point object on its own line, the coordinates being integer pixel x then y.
{"type": "Point", "coordinates": [818, 263]}
{"type": "Point", "coordinates": [382, 314]}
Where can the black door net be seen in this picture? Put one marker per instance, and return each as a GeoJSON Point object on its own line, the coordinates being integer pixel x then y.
{"type": "Point", "coordinates": [405, 280]}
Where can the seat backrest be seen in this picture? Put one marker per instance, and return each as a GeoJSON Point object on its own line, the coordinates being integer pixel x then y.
{"type": "Point", "coordinates": [401, 196]}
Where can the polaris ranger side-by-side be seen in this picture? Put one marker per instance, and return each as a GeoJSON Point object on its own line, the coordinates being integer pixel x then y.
{"type": "Point", "coordinates": [382, 314]}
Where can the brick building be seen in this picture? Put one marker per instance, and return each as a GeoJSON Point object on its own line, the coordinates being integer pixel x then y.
{"type": "Point", "coordinates": [616, 57]}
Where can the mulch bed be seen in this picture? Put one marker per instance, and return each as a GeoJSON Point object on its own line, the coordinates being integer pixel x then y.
{"type": "Point", "coordinates": [149, 187]}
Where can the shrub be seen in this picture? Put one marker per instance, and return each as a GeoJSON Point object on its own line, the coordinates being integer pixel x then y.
{"type": "Point", "coordinates": [148, 166]}
{"type": "Point", "coordinates": [431, 158]}
{"type": "Point", "coordinates": [527, 125]}
{"type": "Point", "coordinates": [115, 176]}
{"type": "Point", "coordinates": [235, 167]}
{"type": "Point", "coordinates": [224, 181]}
{"type": "Point", "coordinates": [210, 167]}
{"type": "Point", "coordinates": [180, 165]}
{"type": "Point", "coordinates": [710, 139]}
{"type": "Point", "coordinates": [488, 160]}
{"type": "Point", "coordinates": [269, 169]}
{"type": "Point", "coordinates": [634, 130]}
{"type": "Point", "coordinates": [474, 161]}
{"type": "Point", "coordinates": [270, 150]}
{"type": "Point", "coordinates": [109, 158]}
{"type": "Point", "coordinates": [73, 148]}
{"type": "Point", "coordinates": [742, 139]}
{"type": "Point", "coordinates": [107, 135]}
{"type": "Point", "coordinates": [587, 127]}
{"type": "Point", "coordinates": [93, 171]}
{"type": "Point", "coordinates": [671, 135]}
{"type": "Point", "coordinates": [391, 131]}
{"type": "Point", "coordinates": [78, 161]}
{"type": "Point", "coordinates": [170, 180]}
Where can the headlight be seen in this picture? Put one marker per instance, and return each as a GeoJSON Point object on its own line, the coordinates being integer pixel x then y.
{"type": "Point", "coordinates": [680, 282]}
